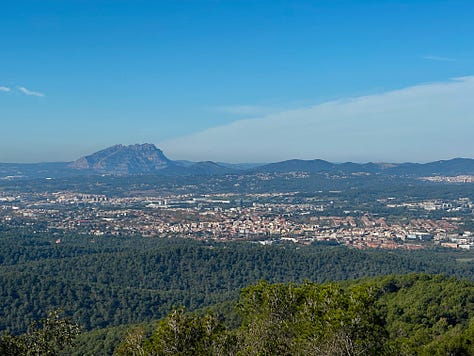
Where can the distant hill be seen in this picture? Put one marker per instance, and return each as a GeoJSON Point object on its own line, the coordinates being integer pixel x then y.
{"type": "Point", "coordinates": [34, 170]}
{"type": "Point", "coordinates": [209, 168]}
{"type": "Point", "coordinates": [452, 167]}
{"type": "Point", "coordinates": [148, 159]}
{"type": "Point", "coordinates": [313, 166]}
{"type": "Point", "coordinates": [456, 166]}
{"type": "Point", "coordinates": [206, 168]}
{"type": "Point", "coordinates": [122, 160]}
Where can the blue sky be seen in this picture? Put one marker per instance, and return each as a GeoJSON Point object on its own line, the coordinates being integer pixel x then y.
{"type": "Point", "coordinates": [238, 81]}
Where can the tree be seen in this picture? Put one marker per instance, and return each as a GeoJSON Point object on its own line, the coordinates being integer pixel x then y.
{"type": "Point", "coordinates": [50, 336]}
{"type": "Point", "coordinates": [311, 319]}
{"type": "Point", "coordinates": [133, 343]}
{"type": "Point", "coordinates": [182, 333]}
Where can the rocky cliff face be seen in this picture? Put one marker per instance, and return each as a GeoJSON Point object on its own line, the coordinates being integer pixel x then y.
{"type": "Point", "coordinates": [120, 159]}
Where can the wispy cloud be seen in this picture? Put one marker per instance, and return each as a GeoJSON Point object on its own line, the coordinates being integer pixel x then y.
{"type": "Point", "coordinates": [246, 110]}
{"type": "Point", "coordinates": [30, 92]}
{"type": "Point", "coordinates": [438, 58]}
{"type": "Point", "coordinates": [5, 89]}
{"type": "Point", "coordinates": [419, 123]}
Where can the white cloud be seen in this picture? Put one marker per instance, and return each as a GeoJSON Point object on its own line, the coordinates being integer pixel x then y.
{"type": "Point", "coordinates": [420, 123]}
{"type": "Point", "coordinates": [247, 110]}
{"type": "Point", "coordinates": [5, 89]}
{"type": "Point", "coordinates": [438, 58]}
{"type": "Point", "coordinates": [29, 92]}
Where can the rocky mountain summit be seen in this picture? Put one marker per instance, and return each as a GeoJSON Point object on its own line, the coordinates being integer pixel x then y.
{"type": "Point", "coordinates": [121, 160]}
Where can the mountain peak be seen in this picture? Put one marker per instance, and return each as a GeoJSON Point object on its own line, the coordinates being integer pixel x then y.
{"type": "Point", "coordinates": [121, 159]}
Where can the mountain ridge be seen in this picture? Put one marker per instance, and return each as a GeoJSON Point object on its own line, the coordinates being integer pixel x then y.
{"type": "Point", "coordinates": [148, 159]}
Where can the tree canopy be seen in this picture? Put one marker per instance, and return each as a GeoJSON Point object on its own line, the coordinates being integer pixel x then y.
{"type": "Point", "coordinates": [413, 314]}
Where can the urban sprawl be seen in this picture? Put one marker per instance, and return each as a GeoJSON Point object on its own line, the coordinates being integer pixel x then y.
{"type": "Point", "coordinates": [265, 218]}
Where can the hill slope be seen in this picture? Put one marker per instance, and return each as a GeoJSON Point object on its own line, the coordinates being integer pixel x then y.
{"type": "Point", "coordinates": [413, 314]}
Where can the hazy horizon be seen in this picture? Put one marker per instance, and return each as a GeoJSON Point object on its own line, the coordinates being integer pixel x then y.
{"type": "Point", "coordinates": [240, 162]}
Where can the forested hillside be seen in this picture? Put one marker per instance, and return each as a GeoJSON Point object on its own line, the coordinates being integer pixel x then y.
{"type": "Point", "coordinates": [413, 314]}
{"type": "Point", "coordinates": [108, 281]}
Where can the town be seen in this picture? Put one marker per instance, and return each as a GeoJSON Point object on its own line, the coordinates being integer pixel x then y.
{"type": "Point", "coordinates": [325, 217]}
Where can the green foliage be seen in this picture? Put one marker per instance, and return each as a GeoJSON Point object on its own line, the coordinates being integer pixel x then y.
{"type": "Point", "coordinates": [425, 312]}
{"type": "Point", "coordinates": [119, 281]}
{"type": "Point", "coordinates": [132, 343]}
{"type": "Point", "coordinates": [277, 319]}
{"type": "Point", "coordinates": [456, 341]}
{"type": "Point", "coordinates": [104, 341]}
{"type": "Point", "coordinates": [325, 319]}
{"type": "Point", "coordinates": [181, 333]}
{"type": "Point", "coordinates": [51, 336]}
{"type": "Point", "coordinates": [413, 314]}
{"type": "Point", "coordinates": [114, 281]}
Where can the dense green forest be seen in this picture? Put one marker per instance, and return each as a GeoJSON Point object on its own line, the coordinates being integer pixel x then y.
{"type": "Point", "coordinates": [104, 282]}
{"type": "Point", "coordinates": [413, 314]}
